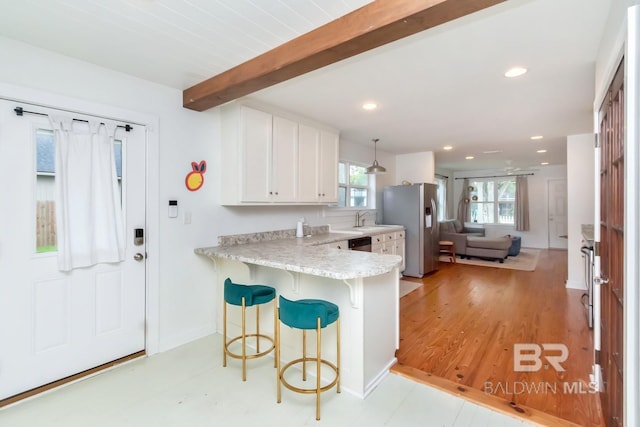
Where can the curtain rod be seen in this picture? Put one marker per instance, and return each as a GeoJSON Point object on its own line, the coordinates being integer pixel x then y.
{"type": "Point", "coordinates": [21, 111]}
{"type": "Point", "coordinates": [495, 176]}
{"type": "Point", "coordinates": [442, 176]}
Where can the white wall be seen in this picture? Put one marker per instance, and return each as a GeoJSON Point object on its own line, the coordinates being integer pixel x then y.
{"type": "Point", "coordinates": [580, 202]}
{"type": "Point", "coordinates": [538, 236]}
{"type": "Point", "coordinates": [415, 167]}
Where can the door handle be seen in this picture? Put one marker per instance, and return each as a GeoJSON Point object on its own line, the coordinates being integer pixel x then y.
{"type": "Point", "coordinates": [138, 257]}
{"type": "Point", "coordinates": [601, 280]}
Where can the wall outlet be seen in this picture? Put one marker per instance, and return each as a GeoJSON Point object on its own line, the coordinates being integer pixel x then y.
{"type": "Point", "coordinates": [187, 217]}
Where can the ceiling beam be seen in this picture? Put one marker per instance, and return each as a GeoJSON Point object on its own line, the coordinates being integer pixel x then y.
{"type": "Point", "coordinates": [371, 26]}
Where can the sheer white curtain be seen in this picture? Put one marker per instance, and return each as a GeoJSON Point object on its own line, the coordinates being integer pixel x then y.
{"type": "Point", "coordinates": [88, 207]}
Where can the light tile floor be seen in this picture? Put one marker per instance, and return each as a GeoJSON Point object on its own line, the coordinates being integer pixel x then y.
{"type": "Point", "coordinates": [188, 386]}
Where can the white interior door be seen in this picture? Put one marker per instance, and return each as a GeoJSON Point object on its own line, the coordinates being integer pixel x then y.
{"type": "Point", "coordinates": [557, 197]}
{"type": "Point", "coordinates": [55, 324]}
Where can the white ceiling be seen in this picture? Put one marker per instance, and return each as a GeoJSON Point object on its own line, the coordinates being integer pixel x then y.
{"type": "Point", "coordinates": [444, 86]}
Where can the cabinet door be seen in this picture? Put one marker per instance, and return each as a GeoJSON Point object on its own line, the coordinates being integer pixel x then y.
{"type": "Point", "coordinates": [284, 165]}
{"type": "Point", "coordinates": [308, 165]}
{"type": "Point", "coordinates": [328, 179]}
{"type": "Point", "coordinates": [377, 239]}
{"type": "Point", "coordinates": [256, 154]}
{"type": "Point", "coordinates": [399, 250]}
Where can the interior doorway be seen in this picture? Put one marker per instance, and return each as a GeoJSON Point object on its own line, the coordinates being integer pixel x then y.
{"type": "Point", "coordinates": [557, 215]}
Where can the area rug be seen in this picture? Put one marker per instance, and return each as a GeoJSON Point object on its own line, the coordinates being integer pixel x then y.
{"type": "Point", "coordinates": [407, 287]}
{"type": "Point", "coordinates": [526, 260]}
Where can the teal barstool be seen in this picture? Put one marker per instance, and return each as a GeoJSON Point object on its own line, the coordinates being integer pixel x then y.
{"type": "Point", "coordinates": [247, 296]}
{"type": "Point", "coordinates": [309, 314]}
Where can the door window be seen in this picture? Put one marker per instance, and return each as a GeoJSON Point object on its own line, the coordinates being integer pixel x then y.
{"type": "Point", "coordinates": [45, 204]}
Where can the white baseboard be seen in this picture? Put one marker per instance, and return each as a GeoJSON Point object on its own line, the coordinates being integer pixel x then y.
{"type": "Point", "coordinates": [575, 284]}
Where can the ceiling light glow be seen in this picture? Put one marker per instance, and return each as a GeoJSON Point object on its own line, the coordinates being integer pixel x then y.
{"type": "Point", "coordinates": [469, 157]}
{"type": "Point", "coordinates": [544, 163]}
{"type": "Point", "coordinates": [447, 147]}
{"type": "Point", "coordinates": [515, 72]}
{"type": "Point", "coordinates": [536, 137]}
{"type": "Point", "coordinates": [541, 151]}
{"type": "Point", "coordinates": [369, 106]}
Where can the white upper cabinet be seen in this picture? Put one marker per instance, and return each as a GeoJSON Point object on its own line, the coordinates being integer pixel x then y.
{"type": "Point", "coordinates": [318, 163]}
{"type": "Point", "coordinates": [270, 158]}
{"type": "Point", "coordinates": [309, 150]}
{"type": "Point", "coordinates": [328, 159]}
{"type": "Point", "coordinates": [257, 136]}
{"type": "Point", "coordinates": [284, 167]}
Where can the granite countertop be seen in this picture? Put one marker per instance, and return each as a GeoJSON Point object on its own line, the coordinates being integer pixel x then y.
{"type": "Point", "coordinates": [307, 255]}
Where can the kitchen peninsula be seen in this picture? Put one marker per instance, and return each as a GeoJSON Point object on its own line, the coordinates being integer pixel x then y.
{"type": "Point", "coordinates": [364, 285]}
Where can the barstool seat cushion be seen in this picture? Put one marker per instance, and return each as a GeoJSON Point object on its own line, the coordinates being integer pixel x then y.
{"type": "Point", "coordinates": [253, 294]}
{"type": "Point", "coordinates": [303, 314]}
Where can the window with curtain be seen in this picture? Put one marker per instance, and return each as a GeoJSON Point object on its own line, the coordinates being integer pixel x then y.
{"type": "Point", "coordinates": [354, 185]}
{"type": "Point", "coordinates": [492, 201]}
{"type": "Point", "coordinates": [442, 182]}
{"type": "Point", "coordinates": [45, 205]}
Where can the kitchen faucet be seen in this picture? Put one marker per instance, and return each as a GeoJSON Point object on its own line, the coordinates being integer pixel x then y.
{"type": "Point", "coordinates": [360, 218]}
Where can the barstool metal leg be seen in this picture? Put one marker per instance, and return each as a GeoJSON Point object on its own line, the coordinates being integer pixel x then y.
{"type": "Point", "coordinates": [318, 363]}
{"type": "Point", "coordinates": [224, 333]}
{"type": "Point", "coordinates": [304, 355]}
{"type": "Point", "coordinates": [257, 329]}
{"type": "Point", "coordinates": [275, 323]}
{"type": "Point", "coordinates": [338, 353]}
{"type": "Point", "coordinates": [244, 341]}
{"type": "Point", "coordinates": [279, 382]}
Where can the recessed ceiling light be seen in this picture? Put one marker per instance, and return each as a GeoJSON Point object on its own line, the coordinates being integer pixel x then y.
{"type": "Point", "coordinates": [492, 152]}
{"type": "Point", "coordinates": [541, 151]}
{"type": "Point", "coordinates": [544, 163]}
{"type": "Point", "coordinates": [537, 137]}
{"type": "Point", "coordinates": [515, 72]}
{"type": "Point", "coordinates": [447, 147]}
{"type": "Point", "coordinates": [369, 106]}
{"type": "Point", "coordinates": [469, 157]}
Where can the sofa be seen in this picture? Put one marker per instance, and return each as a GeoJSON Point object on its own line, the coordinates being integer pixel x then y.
{"type": "Point", "coordinates": [453, 231]}
{"type": "Point", "coordinates": [471, 242]}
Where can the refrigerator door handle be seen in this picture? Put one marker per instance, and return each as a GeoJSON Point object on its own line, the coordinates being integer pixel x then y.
{"type": "Point", "coordinates": [434, 216]}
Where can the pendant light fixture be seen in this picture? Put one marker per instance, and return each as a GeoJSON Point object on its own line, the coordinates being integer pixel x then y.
{"type": "Point", "coordinates": [375, 168]}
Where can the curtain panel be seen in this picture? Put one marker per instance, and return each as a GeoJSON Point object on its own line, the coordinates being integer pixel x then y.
{"type": "Point", "coordinates": [88, 206]}
{"type": "Point", "coordinates": [522, 204]}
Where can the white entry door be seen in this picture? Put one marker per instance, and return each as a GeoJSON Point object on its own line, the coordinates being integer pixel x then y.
{"type": "Point", "coordinates": [558, 234]}
{"type": "Point", "coordinates": [55, 324]}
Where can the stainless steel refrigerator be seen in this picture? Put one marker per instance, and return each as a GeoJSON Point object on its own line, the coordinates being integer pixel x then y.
{"type": "Point", "coordinates": [415, 207]}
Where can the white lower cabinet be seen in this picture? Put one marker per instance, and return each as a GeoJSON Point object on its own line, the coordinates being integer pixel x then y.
{"type": "Point", "coordinates": [342, 244]}
{"type": "Point", "coordinates": [389, 244]}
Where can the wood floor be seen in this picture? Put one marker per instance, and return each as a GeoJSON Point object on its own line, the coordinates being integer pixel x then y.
{"type": "Point", "coordinates": [458, 331]}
